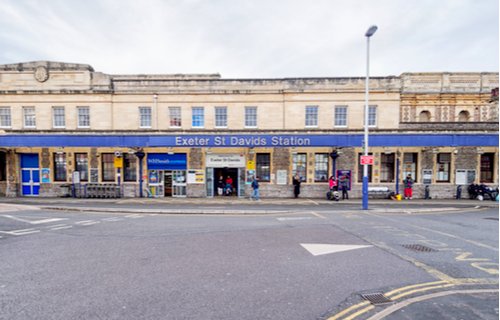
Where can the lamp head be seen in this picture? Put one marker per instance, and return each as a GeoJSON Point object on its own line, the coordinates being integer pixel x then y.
{"type": "Point", "coordinates": [371, 31]}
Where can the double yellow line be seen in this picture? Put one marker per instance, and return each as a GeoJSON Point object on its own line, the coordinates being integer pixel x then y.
{"type": "Point", "coordinates": [358, 309]}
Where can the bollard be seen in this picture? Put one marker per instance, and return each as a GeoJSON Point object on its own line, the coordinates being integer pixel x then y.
{"type": "Point", "coordinates": [459, 192]}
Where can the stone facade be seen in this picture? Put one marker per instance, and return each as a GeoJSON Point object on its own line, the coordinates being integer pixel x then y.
{"type": "Point", "coordinates": [131, 107]}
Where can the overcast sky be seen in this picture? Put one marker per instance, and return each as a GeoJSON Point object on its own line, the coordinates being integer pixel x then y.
{"type": "Point", "coordinates": [254, 38]}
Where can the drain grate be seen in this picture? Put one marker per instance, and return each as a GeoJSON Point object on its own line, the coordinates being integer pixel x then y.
{"type": "Point", "coordinates": [491, 218]}
{"type": "Point", "coordinates": [376, 298]}
{"type": "Point", "coordinates": [418, 248]}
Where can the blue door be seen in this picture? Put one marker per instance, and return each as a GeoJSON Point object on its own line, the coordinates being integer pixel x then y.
{"type": "Point", "coordinates": [30, 175]}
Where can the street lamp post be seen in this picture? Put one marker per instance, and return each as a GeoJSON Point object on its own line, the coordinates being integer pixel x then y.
{"type": "Point", "coordinates": [368, 34]}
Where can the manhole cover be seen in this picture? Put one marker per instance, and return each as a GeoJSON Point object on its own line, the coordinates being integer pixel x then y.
{"type": "Point", "coordinates": [418, 248]}
{"type": "Point", "coordinates": [376, 298]}
{"type": "Point", "coordinates": [491, 218]}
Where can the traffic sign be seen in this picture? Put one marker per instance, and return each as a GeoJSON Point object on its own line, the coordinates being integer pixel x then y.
{"type": "Point", "coordinates": [366, 160]}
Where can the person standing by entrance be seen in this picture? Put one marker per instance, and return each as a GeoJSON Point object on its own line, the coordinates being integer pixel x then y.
{"type": "Point", "coordinates": [344, 185]}
{"type": "Point", "coordinates": [220, 186]}
{"type": "Point", "coordinates": [255, 187]}
{"type": "Point", "coordinates": [296, 185]}
{"type": "Point", "coordinates": [408, 183]}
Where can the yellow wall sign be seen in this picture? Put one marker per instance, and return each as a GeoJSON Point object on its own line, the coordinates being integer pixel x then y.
{"type": "Point", "coordinates": [250, 165]}
{"type": "Point", "coordinates": [118, 162]}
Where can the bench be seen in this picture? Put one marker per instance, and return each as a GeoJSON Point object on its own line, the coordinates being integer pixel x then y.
{"type": "Point", "coordinates": [379, 192]}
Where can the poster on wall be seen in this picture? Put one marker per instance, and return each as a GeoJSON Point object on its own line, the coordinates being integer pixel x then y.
{"type": "Point", "coordinates": [94, 175]}
{"type": "Point", "coordinates": [344, 174]}
{"type": "Point", "coordinates": [196, 176]}
{"type": "Point", "coordinates": [45, 175]}
{"type": "Point", "coordinates": [281, 177]}
{"type": "Point", "coordinates": [250, 175]}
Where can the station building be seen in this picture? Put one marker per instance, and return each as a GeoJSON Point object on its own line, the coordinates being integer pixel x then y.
{"type": "Point", "coordinates": [176, 135]}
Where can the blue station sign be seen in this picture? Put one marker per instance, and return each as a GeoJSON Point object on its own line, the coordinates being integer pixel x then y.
{"type": "Point", "coordinates": [165, 161]}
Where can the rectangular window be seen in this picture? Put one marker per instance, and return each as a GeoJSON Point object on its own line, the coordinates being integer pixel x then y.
{"type": "Point", "coordinates": [5, 119]}
{"type": "Point", "coordinates": [410, 161]}
{"type": "Point", "coordinates": [250, 117]}
{"type": "Point", "coordinates": [321, 167]}
{"type": "Point", "coordinates": [443, 167]}
{"type": "Point", "coordinates": [108, 167]}
{"type": "Point", "coordinates": [175, 117]}
{"type": "Point", "coordinates": [145, 117]}
{"type": "Point", "coordinates": [221, 117]}
{"type": "Point", "coordinates": [60, 167]}
{"type": "Point", "coordinates": [311, 116]}
{"type": "Point", "coordinates": [340, 116]}
{"type": "Point", "coordinates": [82, 165]}
{"type": "Point", "coordinates": [387, 167]}
{"type": "Point", "coordinates": [29, 117]}
{"type": "Point", "coordinates": [83, 117]}
{"type": "Point", "coordinates": [487, 167]}
{"type": "Point", "coordinates": [299, 165]}
{"type": "Point", "coordinates": [129, 167]}
{"type": "Point", "coordinates": [372, 116]}
{"type": "Point", "coordinates": [59, 118]}
{"type": "Point", "coordinates": [3, 166]}
{"type": "Point", "coordinates": [263, 167]}
{"type": "Point", "coordinates": [360, 169]}
{"type": "Point", "coordinates": [198, 117]}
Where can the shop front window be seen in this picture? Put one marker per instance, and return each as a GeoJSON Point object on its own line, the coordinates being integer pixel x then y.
{"type": "Point", "coordinates": [82, 165]}
{"type": "Point", "coordinates": [387, 167]}
{"type": "Point", "coordinates": [108, 167]}
{"type": "Point", "coordinates": [263, 167]}
{"type": "Point", "coordinates": [443, 167]}
{"type": "Point", "coordinates": [299, 165]}
{"type": "Point", "coordinates": [321, 167]}
{"type": "Point", "coordinates": [129, 167]}
{"type": "Point", "coordinates": [60, 167]}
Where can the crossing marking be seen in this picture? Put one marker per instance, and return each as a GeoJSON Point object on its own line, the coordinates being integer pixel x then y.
{"type": "Point", "coordinates": [21, 232]}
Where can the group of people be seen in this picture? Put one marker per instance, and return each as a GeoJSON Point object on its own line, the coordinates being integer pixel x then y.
{"type": "Point", "coordinates": [225, 187]}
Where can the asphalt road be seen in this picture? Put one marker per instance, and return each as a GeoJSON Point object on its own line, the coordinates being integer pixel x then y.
{"type": "Point", "coordinates": [112, 265]}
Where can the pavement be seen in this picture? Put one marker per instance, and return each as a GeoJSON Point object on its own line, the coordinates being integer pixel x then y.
{"type": "Point", "coordinates": [234, 205]}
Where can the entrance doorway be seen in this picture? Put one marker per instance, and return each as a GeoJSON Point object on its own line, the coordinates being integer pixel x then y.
{"type": "Point", "coordinates": [225, 173]}
{"type": "Point", "coordinates": [30, 175]}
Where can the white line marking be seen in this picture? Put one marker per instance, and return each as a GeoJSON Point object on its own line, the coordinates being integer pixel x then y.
{"type": "Point", "coordinates": [33, 221]}
{"type": "Point", "coordinates": [293, 218]}
{"type": "Point", "coordinates": [134, 216]}
{"type": "Point", "coordinates": [20, 232]}
{"type": "Point", "coordinates": [55, 226]}
{"type": "Point", "coordinates": [89, 223]}
{"type": "Point", "coordinates": [62, 227]}
{"type": "Point", "coordinates": [84, 221]}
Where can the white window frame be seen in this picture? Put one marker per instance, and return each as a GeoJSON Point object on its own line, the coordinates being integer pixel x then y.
{"type": "Point", "coordinates": [250, 117]}
{"type": "Point", "coordinates": [5, 117]}
{"type": "Point", "coordinates": [220, 117]}
{"type": "Point", "coordinates": [336, 118]}
{"type": "Point", "coordinates": [311, 116]}
{"type": "Point", "coordinates": [173, 114]}
{"type": "Point", "coordinates": [29, 112]}
{"type": "Point", "coordinates": [145, 118]}
{"type": "Point", "coordinates": [372, 116]}
{"type": "Point", "coordinates": [201, 111]}
{"type": "Point", "coordinates": [83, 117]}
{"type": "Point", "coordinates": [58, 120]}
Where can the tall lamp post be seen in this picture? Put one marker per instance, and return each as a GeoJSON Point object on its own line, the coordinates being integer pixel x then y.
{"type": "Point", "coordinates": [368, 34]}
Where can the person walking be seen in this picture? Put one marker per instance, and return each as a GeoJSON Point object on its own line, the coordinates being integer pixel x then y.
{"type": "Point", "coordinates": [255, 187]}
{"type": "Point", "coordinates": [344, 185]}
{"type": "Point", "coordinates": [408, 184]}
{"type": "Point", "coordinates": [296, 185]}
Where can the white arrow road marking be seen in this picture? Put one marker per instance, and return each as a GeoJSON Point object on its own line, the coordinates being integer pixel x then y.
{"type": "Point", "coordinates": [33, 221]}
{"type": "Point", "coordinates": [317, 249]}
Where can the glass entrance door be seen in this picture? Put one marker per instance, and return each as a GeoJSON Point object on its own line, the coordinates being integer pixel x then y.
{"type": "Point", "coordinates": [179, 183]}
{"type": "Point", "coordinates": [30, 175]}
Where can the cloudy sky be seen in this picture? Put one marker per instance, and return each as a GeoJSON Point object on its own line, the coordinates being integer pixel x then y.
{"type": "Point", "coordinates": [254, 38]}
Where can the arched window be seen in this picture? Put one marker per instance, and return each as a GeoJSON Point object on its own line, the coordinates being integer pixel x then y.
{"type": "Point", "coordinates": [425, 116]}
{"type": "Point", "coordinates": [463, 116]}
